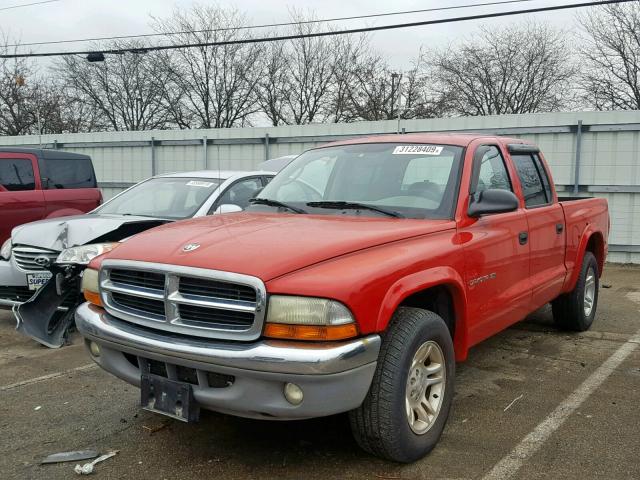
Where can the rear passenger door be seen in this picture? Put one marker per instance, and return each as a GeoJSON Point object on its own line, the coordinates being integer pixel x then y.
{"type": "Point", "coordinates": [21, 200]}
{"type": "Point", "coordinates": [545, 220]}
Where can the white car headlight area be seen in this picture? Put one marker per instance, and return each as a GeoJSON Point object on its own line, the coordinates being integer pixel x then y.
{"type": "Point", "coordinates": [5, 251]}
{"type": "Point", "coordinates": [84, 254]}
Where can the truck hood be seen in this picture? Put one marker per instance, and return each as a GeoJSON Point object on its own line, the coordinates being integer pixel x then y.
{"type": "Point", "coordinates": [64, 232]}
{"type": "Point", "coordinates": [268, 245]}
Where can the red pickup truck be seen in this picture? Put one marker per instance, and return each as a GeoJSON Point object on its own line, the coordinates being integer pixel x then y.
{"type": "Point", "coordinates": [36, 184]}
{"type": "Point", "coordinates": [357, 279]}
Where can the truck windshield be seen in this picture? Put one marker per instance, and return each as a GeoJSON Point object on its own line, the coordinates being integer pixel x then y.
{"type": "Point", "coordinates": [408, 180]}
{"type": "Point", "coordinates": [166, 197]}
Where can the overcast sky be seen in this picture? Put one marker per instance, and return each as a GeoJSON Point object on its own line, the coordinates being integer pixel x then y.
{"type": "Point", "coordinates": [70, 19]}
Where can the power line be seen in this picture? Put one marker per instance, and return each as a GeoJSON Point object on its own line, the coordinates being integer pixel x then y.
{"type": "Point", "coordinates": [318, 34]}
{"type": "Point", "coordinates": [270, 25]}
{"type": "Point", "coordinates": [28, 5]}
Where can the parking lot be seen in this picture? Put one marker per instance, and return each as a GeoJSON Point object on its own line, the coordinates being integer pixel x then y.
{"type": "Point", "coordinates": [579, 418]}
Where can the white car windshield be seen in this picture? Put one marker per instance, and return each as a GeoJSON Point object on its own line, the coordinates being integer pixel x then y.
{"type": "Point", "coordinates": [164, 197]}
{"type": "Point", "coordinates": [402, 180]}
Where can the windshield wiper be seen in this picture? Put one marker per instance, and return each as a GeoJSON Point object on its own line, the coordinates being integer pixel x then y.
{"type": "Point", "coordinates": [341, 205]}
{"type": "Point", "coordinates": [275, 203]}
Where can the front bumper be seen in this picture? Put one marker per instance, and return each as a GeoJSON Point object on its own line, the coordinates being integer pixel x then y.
{"type": "Point", "coordinates": [334, 377]}
{"type": "Point", "coordinates": [14, 281]}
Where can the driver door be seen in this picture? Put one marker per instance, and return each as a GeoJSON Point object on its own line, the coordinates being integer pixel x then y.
{"type": "Point", "coordinates": [496, 258]}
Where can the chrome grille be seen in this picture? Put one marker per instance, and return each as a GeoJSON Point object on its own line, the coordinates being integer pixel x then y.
{"type": "Point", "coordinates": [27, 258]}
{"type": "Point", "coordinates": [184, 300]}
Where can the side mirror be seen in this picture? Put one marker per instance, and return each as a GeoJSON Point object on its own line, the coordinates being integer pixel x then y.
{"type": "Point", "coordinates": [227, 208]}
{"type": "Point", "coordinates": [493, 201]}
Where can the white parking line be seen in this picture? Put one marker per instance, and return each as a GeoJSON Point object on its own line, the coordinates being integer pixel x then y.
{"type": "Point", "coordinates": [530, 444]}
{"type": "Point", "coordinates": [31, 381]}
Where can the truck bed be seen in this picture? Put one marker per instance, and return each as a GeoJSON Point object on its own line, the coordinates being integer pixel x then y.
{"type": "Point", "coordinates": [583, 214]}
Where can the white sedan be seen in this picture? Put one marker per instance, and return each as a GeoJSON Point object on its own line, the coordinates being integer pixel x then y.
{"type": "Point", "coordinates": [164, 198]}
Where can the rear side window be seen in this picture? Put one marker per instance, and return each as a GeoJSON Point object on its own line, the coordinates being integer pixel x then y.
{"type": "Point", "coordinates": [545, 178]}
{"type": "Point", "coordinates": [68, 173]}
{"type": "Point", "coordinates": [536, 190]}
{"type": "Point", "coordinates": [16, 175]}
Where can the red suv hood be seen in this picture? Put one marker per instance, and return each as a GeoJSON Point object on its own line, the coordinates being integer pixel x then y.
{"type": "Point", "coordinates": [267, 245]}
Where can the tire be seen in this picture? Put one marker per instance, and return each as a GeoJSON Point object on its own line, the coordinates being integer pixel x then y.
{"type": "Point", "coordinates": [381, 425]}
{"type": "Point", "coordinates": [570, 310]}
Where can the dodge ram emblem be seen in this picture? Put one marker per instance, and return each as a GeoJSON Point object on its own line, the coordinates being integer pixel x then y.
{"type": "Point", "coordinates": [190, 247]}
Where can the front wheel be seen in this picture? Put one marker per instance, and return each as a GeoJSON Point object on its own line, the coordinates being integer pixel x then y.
{"type": "Point", "coordinates": [406, 408]}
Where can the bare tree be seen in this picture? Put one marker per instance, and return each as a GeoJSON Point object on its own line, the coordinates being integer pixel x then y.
{"type": "Point", "coordinates": [16, 94]}
{"type": "Point", "coordinates": [611, 50]}
{"type": "Point", "coordinates": [61, 109]}
{"type": "Point", "coordinates": [311, 64]}
{"type": "Point", "coordinates": [375, 89]}
{"type": "Point", "coordinates": [273, 88]}
{"type": "Point", "coordinates": [518, 69]}
{"type": "Point", "coordinates": [128, 89]}
{"type": "Point", "coordinates": [218, 83]}
{"type": "Point", "coordinates": [307, 80]}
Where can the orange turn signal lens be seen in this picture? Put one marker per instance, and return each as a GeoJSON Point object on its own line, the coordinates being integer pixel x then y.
{"type": "Point", "coordinates": [310, 332]}
{"type": "Point", "coordinates": [93, 297]}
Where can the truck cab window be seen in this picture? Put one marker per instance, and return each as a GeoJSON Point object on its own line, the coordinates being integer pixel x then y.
{"type": "Point", "coordinates": [16, 175]}
{"type": "Point", "coordinates": [492, 173]}
{"type": "Point", "coordinates": [533, 189]}
{"type": "Point", "coordinates": [544, 176]}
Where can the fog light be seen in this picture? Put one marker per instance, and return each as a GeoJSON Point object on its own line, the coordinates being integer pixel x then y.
{"type": "Point", "coordinates": [293, 393]}
{"type": "Point", "coordinates": [94, 348]}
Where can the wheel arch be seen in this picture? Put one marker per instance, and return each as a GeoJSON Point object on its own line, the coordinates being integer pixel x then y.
{"type": "Point", "coordinates": [595, 245]}
{"type": "Point", "coordinates": [440, 290]}
{"type": "Point", "coordinates": [591, 241]}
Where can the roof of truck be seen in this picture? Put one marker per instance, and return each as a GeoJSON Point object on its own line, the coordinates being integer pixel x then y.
{"type": "Point", "coordinates": [45, 153]}
{"type": "Point", "coordinates": [458, 139]}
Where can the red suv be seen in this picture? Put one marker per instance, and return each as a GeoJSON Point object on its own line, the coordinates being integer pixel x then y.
{"type": "Point", "coordinates": [36, 184]}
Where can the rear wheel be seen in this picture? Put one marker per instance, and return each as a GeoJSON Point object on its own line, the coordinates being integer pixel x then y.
{"type": "Point", "coordinates": [408, 403]}
{"type": "Point", "coordinates": [577, 309]}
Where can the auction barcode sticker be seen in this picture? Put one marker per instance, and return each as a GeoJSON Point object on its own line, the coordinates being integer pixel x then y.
{"type": "Point", "coordinates": [417, 149]}
{"type": "Point", "coordinates": [198, 183]}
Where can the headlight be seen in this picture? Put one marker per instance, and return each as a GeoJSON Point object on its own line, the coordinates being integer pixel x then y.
{"type": "Point", "coordinates": [89, 286]}
{"type": "Point", "coordinates": [5, 251]}
{"type": "Point", "coordinates": [84, 254]}
{"type": "Point", "coordinates": [308, 318]}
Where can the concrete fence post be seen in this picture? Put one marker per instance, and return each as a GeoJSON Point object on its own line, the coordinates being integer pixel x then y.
{"type": "Point", "coordinates": [266, 147]}
{"type": "Point", "coordinates": [576, 173]}
{"type": "Point", "coordinates": [153, 157]}
{"type": "Point", "coordinates": [205, 160]}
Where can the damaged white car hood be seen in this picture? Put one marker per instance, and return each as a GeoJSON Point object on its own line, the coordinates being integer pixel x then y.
{"type": "Point", "coordinates": [60, 233]}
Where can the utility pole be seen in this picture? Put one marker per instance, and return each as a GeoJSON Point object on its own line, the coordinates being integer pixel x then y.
{"type": "Point", "coordinates": [397, 76]}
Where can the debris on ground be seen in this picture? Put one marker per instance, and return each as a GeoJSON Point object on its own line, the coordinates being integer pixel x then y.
{"type": "Point", "coordinates": [87, 468]}
{"type": "Point", "coordinates": [512, 403]}
{"type": "Point", "coordinates": [606, 285]}
{"type": "Point", "coordinates": [70, 456]}
{"type": "Point", "coordinates": [155, 428]}
{"type": "Point", "coordinates": [37, 408]}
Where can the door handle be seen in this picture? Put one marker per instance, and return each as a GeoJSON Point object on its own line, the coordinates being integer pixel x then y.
{"type": "Point", "coordinates": [559, 228]}
{"type": "Point", "coordinates": [523, 238]}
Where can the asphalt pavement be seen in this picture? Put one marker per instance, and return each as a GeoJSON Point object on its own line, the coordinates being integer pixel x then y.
{"type": "Point", "coordinates": [531, 402]}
